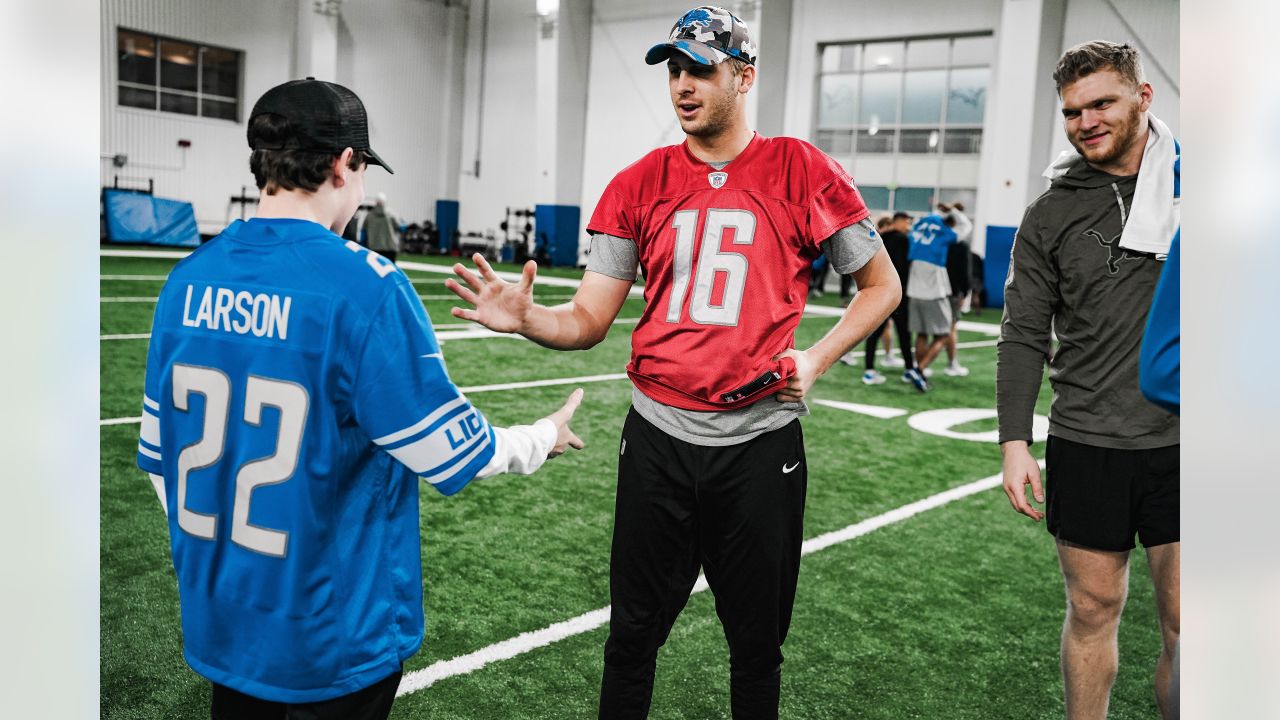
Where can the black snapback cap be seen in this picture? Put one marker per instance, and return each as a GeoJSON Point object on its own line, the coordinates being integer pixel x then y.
{"type": "Point", "coordinates": [326, 117]}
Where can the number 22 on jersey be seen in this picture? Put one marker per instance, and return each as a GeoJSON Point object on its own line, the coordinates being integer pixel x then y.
{"type": "Point", "coordinates": [711, 260]}
{"type": "Point", "coordinates": [289, 398]}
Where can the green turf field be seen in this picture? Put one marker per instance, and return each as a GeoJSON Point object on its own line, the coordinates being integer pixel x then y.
{"type": "Point", "coordinates": [952, 613]}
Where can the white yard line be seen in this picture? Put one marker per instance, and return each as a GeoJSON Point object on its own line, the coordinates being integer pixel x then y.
{"type": "Point", "coordinates": [981, 327]}
{"type": "Point", "coordinates": [525, 642]}
{"type": "Point", "coordinates": [977, 344]}
{"type": "Point", "coordinates": [876, 411]}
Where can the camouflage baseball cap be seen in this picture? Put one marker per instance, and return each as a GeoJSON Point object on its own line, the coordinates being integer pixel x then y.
{"type": "Point", "coordinates": [708, 35]}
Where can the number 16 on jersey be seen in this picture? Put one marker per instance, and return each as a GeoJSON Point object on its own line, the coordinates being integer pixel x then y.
{"type": "Point", "coordinates": [711, 260]}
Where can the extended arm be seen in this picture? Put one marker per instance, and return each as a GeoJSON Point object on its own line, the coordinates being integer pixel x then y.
{"type": "Point", "coordinates": [1031, 294]}
{"type": "Point", "coordinates": [508, 307]}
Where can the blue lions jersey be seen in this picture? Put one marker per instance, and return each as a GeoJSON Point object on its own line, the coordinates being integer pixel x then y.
{"type": "Point", "coordinates": [295, 392]}
{"type": "Point", "coordinates": [930, 238]}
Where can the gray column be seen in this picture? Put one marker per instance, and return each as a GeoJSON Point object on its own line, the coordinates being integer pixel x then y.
{"type": "Point", "coordinates": [773, 39]}
{"type": "Point", "coordinates": [1021, 112]}
{"type": "Point", "coordinates": [316, 47]}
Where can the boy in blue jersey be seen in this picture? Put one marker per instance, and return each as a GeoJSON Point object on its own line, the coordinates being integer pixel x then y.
{"type": "Point", "coordinates": [294, 393]}
{"type": "Point", "coordinates": [928, 287]}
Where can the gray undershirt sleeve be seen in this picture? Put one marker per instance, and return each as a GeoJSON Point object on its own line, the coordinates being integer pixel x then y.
{"type": "Point", "coordinates": [852, 247]}
{"type": "Point", "coordinates": [613, 256]}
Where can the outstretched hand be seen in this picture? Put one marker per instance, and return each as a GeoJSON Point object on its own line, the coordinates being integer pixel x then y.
{"type": "Point", "coordinates": [498, 305]}
{"type": "Point", "coordinates": [565, 438]}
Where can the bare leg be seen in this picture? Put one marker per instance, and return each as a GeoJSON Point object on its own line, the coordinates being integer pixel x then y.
{"type": "Point", "coordinates": [926, 356]}
{"type": "Point", "coordinates": [1097, 585]}
{"type": "Point", "coordinates": [1165, 562]}
{"type": "Point", "coordinates": [885, 340]}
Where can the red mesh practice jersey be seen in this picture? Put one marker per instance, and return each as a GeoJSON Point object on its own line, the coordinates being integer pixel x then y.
{"type": "Point", "coordinates": [726, 258]}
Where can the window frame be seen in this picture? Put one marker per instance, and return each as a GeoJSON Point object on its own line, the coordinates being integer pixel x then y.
{"type": "Point", "coordinates": [834, 133]}
{"type": "Point", "coordinates": [198, 95]}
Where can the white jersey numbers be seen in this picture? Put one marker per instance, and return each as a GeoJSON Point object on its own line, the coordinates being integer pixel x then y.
{"type": "Point", "coordinates": [711, 261]}
{"type": "Point", "coordinates": [380, 265]}
{"type": "Point", "coordinates": [289, 398]}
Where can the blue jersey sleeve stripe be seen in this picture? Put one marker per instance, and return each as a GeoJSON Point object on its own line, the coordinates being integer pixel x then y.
{"type": "Point", "coordinates": [142, 443]}
{"type": "Point", "coordinates": [148, 452]}
{"type": "Point", "coordinates": [459, 479]}
{"type": "Point", "coordinates": [430, 430]}
{"type": "Point", "coordinates": [422, 424]}
{"type": "Point", "coordinates": [444, 471]}
{"type": "Point", "coordinates": [425, 457]}
{"type": "Point", "coordinates": [150, 404]}
{"type": "Point", "coordinates": [461, 457]}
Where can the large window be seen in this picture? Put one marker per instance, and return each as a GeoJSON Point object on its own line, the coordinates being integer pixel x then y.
{"type": "Point", "coordinates": [916, 102]}
{"type": "Point", "coordinates": [176, 76]}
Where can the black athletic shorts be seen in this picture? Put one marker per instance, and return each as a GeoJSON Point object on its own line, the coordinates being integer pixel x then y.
{"type": "Point", "coordinates": [371, 703]}
{"type": "Point", "coordinates": [1100, 497]}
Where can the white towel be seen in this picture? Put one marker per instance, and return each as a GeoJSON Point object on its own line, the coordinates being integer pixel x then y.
{"type": "Point", "coordinates": [1156, 212]}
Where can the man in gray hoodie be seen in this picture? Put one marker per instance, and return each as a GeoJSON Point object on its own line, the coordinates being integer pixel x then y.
{"type": "Point", "coordinates": [1112, 458]}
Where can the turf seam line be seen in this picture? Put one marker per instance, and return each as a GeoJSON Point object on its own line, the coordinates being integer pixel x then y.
{"type": "Point", "coordinates": [526, 642]}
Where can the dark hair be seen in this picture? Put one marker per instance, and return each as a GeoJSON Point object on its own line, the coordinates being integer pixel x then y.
{"type": "Point", "coordinates": [898, 215]}
{"type": "Point", "coordinates": [289, 168]}
{"type": "Point", "coordinates": [883, 222]}
{"type": "Point", "coordinates": [1088, 58]}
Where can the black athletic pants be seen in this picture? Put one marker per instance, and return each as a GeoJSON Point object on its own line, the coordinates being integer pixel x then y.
{"type": "Point", "coordinates": [899, 320]}
{"type": "Point", "coordinates": [735, 511]}
{"type": "Point", "coordinates": [371, 703]}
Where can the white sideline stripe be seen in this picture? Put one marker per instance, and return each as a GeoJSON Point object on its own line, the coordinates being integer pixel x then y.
{"type": "Point", "coordinates": [452, 331]}
{"type": "Point", "coordinates": [508, 276]}
{"type": "Point", "coordinates": [878, 411]}
{"type": "Point", "coordinates": [464, 390]}
{"type": "Point", "coordinates": [545, 383]}
{"type": "Point", "coordinates": [526, 642]}
{"type": "Point", "coordinates": [128, 299]}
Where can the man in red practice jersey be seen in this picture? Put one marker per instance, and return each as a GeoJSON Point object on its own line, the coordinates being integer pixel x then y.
{"type": "Point", "coordinates": [711, 468]}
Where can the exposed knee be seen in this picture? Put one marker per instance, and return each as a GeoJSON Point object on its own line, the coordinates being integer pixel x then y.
{"type": "Point", "coordinates": [1091, 612]}
{"type": "Point", "coordinates": [1170, 630]}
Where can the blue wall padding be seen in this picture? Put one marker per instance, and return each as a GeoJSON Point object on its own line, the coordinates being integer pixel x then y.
{"type": "Point", "coordinates": [446, 222]}
{"type": "Point", "coordinates": [557, 226]}
{"type": "Point", "coordinates": [995, 266]}
{"type": "Point", "coordinates": [134, 217]}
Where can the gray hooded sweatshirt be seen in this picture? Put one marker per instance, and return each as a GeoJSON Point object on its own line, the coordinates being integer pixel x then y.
{"type": "Point", "coordinates": [1070, 275]}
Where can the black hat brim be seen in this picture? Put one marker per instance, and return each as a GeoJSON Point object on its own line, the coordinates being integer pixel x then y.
{"type": "Point", "coordinates": [375, 160]}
